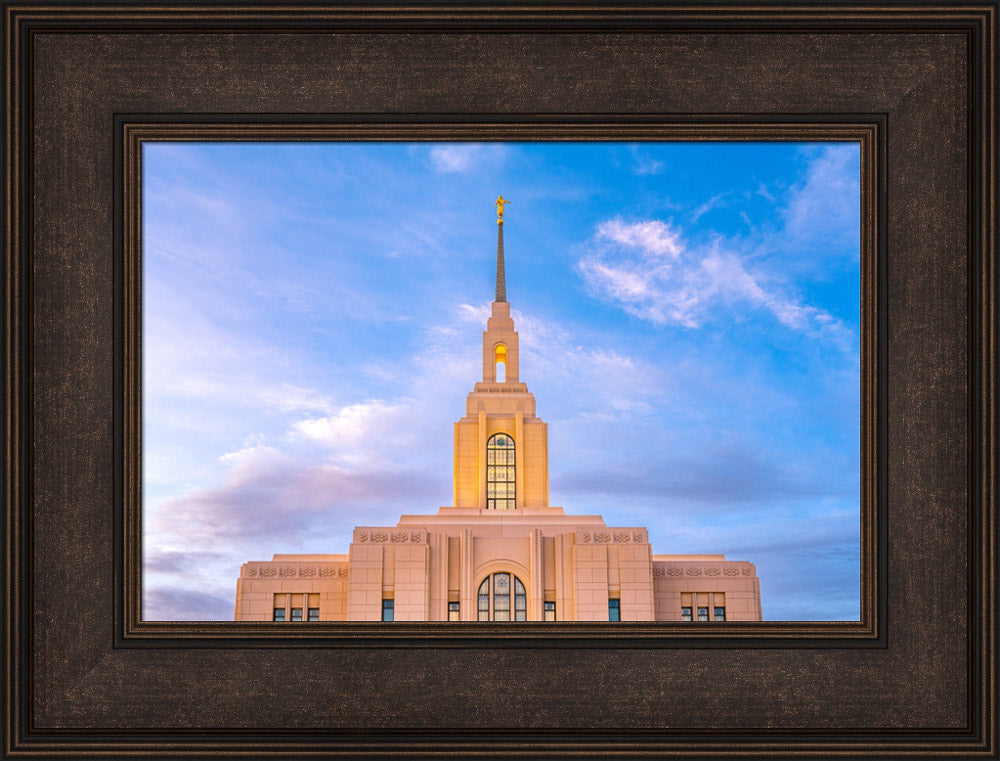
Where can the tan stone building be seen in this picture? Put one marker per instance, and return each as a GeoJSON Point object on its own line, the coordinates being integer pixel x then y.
{"type": "Point", "coordinates": [501, 552]}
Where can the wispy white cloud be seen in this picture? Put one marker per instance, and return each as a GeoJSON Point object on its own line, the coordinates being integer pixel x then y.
{"type": "Point", "coordinates": [462, 157]}
{"type": "Point", "coordinates": [652, 273]}
{"type": "Point", "coordinates": [643, 164]}
{"type": "Point", "coordinates": [823, 209]}
{"type": "Point", "coordinates": [706, 207]}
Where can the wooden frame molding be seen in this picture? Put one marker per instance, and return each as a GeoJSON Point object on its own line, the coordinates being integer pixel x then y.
{"type": "Point", "coordinates": [86, 85]}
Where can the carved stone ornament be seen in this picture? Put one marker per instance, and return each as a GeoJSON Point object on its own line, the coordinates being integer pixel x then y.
{"type": "Point", "coordinates": [307, 571]}
{"type": "Point", "coordinates": [693, 572]}
{"type": "Point", "coordinates": [673, 571]}
{"type": "Point", "coordinates": [288, 571]}
{"type": "Point", "coordinates": [269, 570]}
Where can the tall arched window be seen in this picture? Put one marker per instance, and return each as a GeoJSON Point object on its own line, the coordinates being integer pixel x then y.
{"type": "Point", "coordinates": [500, 363]}
{"type": "Point", "coordinates": [500, 477]}
{"type": "Point", "coordinates": [495, 603]}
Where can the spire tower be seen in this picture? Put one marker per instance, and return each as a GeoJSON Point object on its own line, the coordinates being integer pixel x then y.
{"type": "Point", "coordinates": [501, 295]}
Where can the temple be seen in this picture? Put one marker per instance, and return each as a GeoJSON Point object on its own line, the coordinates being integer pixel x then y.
{"type": "Point", "coordinates": [500, 551]}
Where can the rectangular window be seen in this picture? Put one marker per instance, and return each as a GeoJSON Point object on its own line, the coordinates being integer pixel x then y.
{"type": "Point", "coordinates": [550, 611]}
{"type": "Point", "coordinates": [614, 610]}
{"type": "Point", "coordinates": [388, 609]}
{"type": "Point", "coordinates": [720, 614]}
{"type": "Point", "coordinates": [314, 614]}
{"type": "Point", "coordinates": [279, 614]}
{"type": "Point", "coordinates": [685, 614]}
{"type": "Point", "coordinates": [453, 611]}
{"type": "Point", "coordinates": [296, 614]}
{"type": "Point", "coordinates": [702, 614]}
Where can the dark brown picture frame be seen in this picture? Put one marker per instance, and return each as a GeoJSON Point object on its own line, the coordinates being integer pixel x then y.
{"type": "Point", "coordinates": [85, 85]}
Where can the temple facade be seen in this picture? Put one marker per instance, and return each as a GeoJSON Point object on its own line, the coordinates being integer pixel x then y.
{"type": "Point", "coordinates": [500, 551]}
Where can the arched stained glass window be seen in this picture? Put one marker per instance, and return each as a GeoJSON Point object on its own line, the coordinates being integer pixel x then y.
{"type": "Point", "coordinates": [500, 476]}
{"type": "Point", "coordinates": [499, 602]}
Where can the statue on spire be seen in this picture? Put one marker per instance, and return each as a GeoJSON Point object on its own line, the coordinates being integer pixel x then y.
{"type": "Point", "coordinates": [499, 204]}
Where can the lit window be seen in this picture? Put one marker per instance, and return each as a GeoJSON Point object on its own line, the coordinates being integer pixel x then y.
{"type": "Point", "coordinates": [279, 614]}
{"type": "Point", "coordinates": [388, 609]}
{"type": "Point", "coordinates": [720, 614]}
{"type": "Point", "coordinates": [296, 614]}
{"type": "Point", "coordinates": [494, 599]}
{"type": "Point", "coordinates": [314, 614]}
{"type": "Point", "coordinates": [453, 611]}
{"type": "Point", "coordinates": [550, 611]}
{"type": "Point", "coordinates": [500, 363]}
{"type": "Point", "coordinates": [500, 477]}
{"type": "Point", "coordinates": [614, 610]}
{"type": "Point", "coordinates": [685, 614]}
{"type": "Point", "coordinates": [702, 614]}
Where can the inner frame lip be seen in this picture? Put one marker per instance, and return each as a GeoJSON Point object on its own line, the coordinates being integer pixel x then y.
{"type": "Point", "coordinates": [132, 131]}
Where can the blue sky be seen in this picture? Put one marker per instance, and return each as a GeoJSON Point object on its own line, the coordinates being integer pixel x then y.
{"type": "Point", "coordinates": [689, 325]}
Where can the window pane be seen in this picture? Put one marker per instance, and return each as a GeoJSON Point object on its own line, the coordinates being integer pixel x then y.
{"type": "Point", "coordinates": [388, 610]}
{"type": "Point", "coordinates": [484, 615]}
{"type": "Point", "coordinates": [520, 615]}
{"type": "Point", "coordinates": [484, 588]}
{"type": "Point", "coordinates": [296, 614]}
{"type": "Point", "coordinates": [550, 611]}
{"type": "Point", "coordinates": [501, 602]}
{"type": "Point", "coordinates": [501, 615]}
{"type": "Point", "coordinates": [614, 610]}
{"type": "Point", "coordinates": [453, 611]}
{"type": "Point", "coordinates": [685, 614]}
{"type": "Point", "coordinates": [279, 614]}
{"type": "Point", "coordinates": [314, 614]}
{"type": "Point", "coordinates": [518, 586]}
{"type": "Point", "coordinates": [501, 582]}
{"type": "Point", "coordinates": [720, 614]}
{"type": "Point", "coordinates": [702, 614]}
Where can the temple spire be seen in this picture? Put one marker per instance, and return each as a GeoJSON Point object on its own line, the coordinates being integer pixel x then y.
{"type": "Point", "coordinates": [501, 295]}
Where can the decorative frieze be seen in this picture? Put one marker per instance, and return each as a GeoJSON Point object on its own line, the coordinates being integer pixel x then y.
{"type": "Point", "coordinates": [618, 536]}
{"type": "Point", "coordinates": [303, 571]}
{"type": "Point", "coordinates": [703, 569]}
{"type": "Point", "coordinates": [396, 536]}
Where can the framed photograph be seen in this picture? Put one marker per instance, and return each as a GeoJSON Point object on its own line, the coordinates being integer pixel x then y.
{"type": "Point", "coordinates": [685, 359]}
{"type": "Point", "coordinates": [103, 122]}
